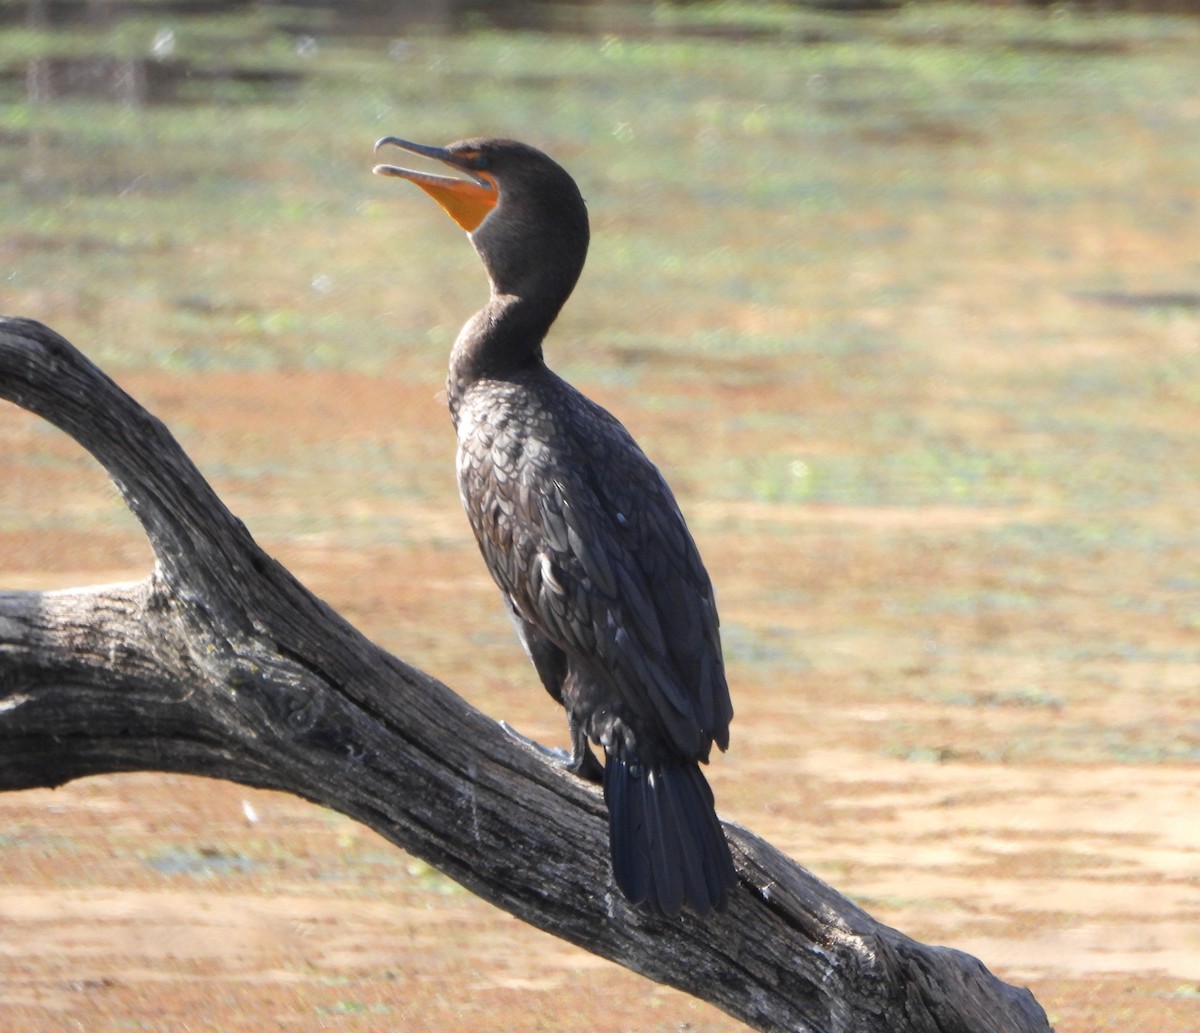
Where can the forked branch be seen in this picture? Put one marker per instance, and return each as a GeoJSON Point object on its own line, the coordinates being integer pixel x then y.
{"type": "Point", "coordinates": [220, 663]}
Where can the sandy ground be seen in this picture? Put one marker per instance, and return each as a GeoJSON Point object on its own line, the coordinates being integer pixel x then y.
{"type": "Point", "coordinates": [911, 775]}
{"type": "Point", "coordinates": [152, 902]}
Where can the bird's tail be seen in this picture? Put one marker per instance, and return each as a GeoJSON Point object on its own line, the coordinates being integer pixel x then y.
{"type": "Point", "coordinates": [668, 849]}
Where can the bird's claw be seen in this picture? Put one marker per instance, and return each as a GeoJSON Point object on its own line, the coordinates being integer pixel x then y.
{"type": "Point", "coordinates": [555, 753]}
{"type": "Point", "coordinates": [585, 765]}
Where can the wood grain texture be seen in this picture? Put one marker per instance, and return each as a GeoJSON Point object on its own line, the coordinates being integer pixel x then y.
{"type": "Point", "coordinates": [221, 664]}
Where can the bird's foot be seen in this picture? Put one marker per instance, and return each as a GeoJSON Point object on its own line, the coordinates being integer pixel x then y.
{"type": "Point", "coordinates": [554, 753]}
{"type": "Point", "coordinates": [582, 762]}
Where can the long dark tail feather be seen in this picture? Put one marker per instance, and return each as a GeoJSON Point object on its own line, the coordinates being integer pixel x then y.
{"type": "Point", "coordinates": [668, 848]}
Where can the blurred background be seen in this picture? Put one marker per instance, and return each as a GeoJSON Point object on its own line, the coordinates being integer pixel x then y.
{"type": "Point", "coordinates": [904, 298]}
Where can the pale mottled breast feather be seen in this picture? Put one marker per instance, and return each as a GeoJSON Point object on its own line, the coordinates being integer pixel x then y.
{"type": "Point", "coordinates": [581, 532]}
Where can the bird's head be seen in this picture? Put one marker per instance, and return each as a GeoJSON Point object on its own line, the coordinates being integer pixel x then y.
{"type": "Point", "coordinates": [522, 210]}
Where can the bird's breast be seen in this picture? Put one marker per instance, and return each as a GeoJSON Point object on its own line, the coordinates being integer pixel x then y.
{"type": "Point", "coordinates": [508, 447]}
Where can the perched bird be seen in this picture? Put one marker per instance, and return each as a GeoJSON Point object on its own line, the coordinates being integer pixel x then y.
{"type": "Point", "coordinates": [582, 534]}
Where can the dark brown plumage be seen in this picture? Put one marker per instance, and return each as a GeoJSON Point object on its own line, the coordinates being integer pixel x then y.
{"type": "Point", "coordinates": [582, 534]}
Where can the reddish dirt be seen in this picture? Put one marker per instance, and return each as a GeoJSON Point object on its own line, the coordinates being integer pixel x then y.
{"type": "Point", "coordinates": [910, 775]}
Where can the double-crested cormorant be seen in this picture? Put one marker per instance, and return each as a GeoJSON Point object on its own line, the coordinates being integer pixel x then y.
{"type": "Point", "coordinates": [582, 534]}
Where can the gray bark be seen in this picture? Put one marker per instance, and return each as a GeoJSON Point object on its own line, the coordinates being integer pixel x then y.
{"type": "Point", "coordinates": [222, 664]}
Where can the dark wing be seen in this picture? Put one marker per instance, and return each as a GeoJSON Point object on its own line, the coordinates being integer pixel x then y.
{"type": "Point", "coordinates": [581, 531]}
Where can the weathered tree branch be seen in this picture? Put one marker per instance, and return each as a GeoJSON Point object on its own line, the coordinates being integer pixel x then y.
{"type": "Point", "coordinates": [220, 663]}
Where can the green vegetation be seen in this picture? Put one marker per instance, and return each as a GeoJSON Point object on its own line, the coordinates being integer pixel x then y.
{"type": "Point", "coordinates": [942, 261]}
{"type": "Point", "coordinates": [907, 306]}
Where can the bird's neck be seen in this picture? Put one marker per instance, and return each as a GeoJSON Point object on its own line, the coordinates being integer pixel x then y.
{"type": "Point", "coordinates": [503, 338]}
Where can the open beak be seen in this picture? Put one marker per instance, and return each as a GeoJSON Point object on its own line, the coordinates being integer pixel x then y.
{"type": "Point", "coordinates": [467, 201]}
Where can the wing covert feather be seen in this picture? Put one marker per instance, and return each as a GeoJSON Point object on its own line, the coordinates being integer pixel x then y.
{"type": "Point", "coordinates": [582, 533]}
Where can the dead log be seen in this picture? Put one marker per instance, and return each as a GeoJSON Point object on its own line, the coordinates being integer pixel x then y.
{"type": "Point", "coordinates": [220, 663]}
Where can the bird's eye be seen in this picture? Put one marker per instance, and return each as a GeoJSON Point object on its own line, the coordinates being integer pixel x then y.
{"type": "Point", "coordinates": [480, 162]}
